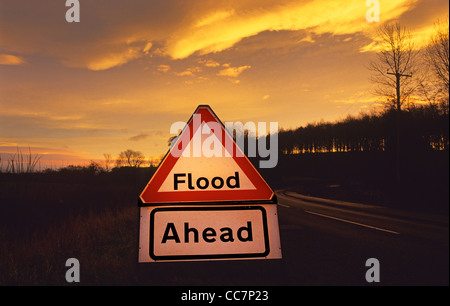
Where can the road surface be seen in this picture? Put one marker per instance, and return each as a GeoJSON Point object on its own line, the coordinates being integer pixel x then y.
{"type": "Point", "coordinates": [328, 242]}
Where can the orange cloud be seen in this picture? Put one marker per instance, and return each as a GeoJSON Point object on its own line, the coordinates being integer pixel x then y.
{"type": "Point", "coordinates": [233, 71]}
{"type": "Point", "coordinates": [214, 18]}
{"type": "Point", "coordinates": [223, 29]}
{"type": "Point", "coordinates": [114, 59]}
{"type": "Point", "coordinates": [210, 63]}
{"type": "Point", "coordinates": [12, 60]}
{"type": "Point", "coordinates": [201, 26]}
{"type": "Point", "coordinates": [13, 148]}
{"type": "Point", "coordinates": [163, 68]}
{"type": "Point", "coordinates": [188, 72]}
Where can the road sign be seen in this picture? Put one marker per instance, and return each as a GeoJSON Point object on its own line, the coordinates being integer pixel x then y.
{"type": "Point", "coordinates": [218, 232]}
{"type": "Point", "coordinates": [205, 166]}
{"type": "Point", "coordinates": [207, 201]}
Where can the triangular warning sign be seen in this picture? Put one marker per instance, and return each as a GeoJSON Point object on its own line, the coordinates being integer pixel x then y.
{"type": "Point", "coordinates": [205, 165]}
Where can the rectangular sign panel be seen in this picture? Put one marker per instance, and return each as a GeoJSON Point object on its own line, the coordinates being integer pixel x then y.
{"type": "Point", "coordinates": [179, 233]}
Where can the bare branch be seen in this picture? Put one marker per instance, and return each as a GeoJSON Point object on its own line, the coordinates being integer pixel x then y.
{"type": "Point", "coordinates": [397, 59]}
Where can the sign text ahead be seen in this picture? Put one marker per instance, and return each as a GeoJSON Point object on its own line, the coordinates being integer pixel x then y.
{"type": "Point", "coordinates": [209, 233]}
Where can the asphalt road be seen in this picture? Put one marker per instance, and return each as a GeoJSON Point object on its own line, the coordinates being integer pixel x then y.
{"type": "Point", "coordinates": [327, 242]}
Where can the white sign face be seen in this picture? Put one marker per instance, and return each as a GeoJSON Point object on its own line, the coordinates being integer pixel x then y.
{"type": "Point", "coordinates": [178, 233]}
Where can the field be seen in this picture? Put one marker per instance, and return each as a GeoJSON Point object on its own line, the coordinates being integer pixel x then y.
{"type": "Point", "coordinates": [49, 217]}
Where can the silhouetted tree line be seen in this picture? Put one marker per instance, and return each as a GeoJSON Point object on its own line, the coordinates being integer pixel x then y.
{"type": "Point", "coordinates": [422, 128]}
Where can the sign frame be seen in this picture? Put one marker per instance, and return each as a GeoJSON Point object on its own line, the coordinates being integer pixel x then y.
{"type": "Point", "coordinates": [180, 196]}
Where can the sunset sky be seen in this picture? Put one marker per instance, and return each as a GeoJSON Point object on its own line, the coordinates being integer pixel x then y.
{"type": "Point", "coordinates": [120, 77]}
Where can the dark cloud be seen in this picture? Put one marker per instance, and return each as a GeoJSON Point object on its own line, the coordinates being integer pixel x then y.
{"type": "Point", "coordinates": [139, 137]}
{"type": "Point", "coordinates": [424, 13]}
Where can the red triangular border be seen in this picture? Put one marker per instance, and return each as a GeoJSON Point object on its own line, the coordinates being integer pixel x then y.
{"type": "Point", "coordinates": [151, 196]}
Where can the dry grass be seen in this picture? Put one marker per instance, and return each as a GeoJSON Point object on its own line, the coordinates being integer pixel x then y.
{"type": "Point", "coordinates": [104, 244]}
{"type": "Point", "coordinates": [21, 163]}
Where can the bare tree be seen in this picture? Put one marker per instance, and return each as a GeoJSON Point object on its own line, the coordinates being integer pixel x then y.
{"type": "Point", "coordinates": [130, 158]}
{"type": "Point", "coordinates": [396, 62]}
{"type": "Point", "coordinates": [437, 58]}
{"type": "Point", "coordinates": [108, 161]}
